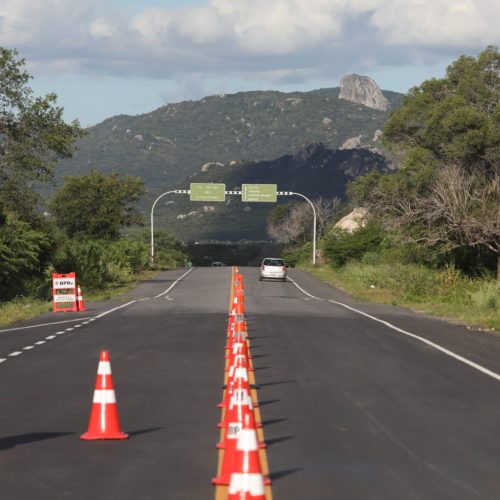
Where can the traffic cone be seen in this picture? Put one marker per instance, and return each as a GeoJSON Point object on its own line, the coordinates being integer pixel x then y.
{"type": "Point", "coordinates": [247, 480]}
{"type": "Point", "coordinates": [240, 396]}
{"type": "Point", "coordinates": [80, 304]}
{"type": "Point", "coordinates": [104, 422]}
{"type": "Point", "coordinates": [233, 423]}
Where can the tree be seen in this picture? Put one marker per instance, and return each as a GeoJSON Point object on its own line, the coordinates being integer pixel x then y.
{"type": "Point", "coordinates": [33, 137]}
{"type": "Point", "coordinates": [97, 205]}
{"type": "Point", "coordinates": [447, 137]}
{"type": "Point", "coordinates": [292, 222]}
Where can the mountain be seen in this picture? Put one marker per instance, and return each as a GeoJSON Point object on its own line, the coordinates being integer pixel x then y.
{"type": "Point", "coordinates": [314, 170]}
{"type": "Point", "coordinates": [252, 132]}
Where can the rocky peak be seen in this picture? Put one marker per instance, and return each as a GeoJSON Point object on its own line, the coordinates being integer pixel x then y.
{"type": "Point", "coordinates": [363, 90]}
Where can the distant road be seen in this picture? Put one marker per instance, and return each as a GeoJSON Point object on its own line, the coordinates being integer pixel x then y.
{"type": "Point", "coordinates": [358, 401]}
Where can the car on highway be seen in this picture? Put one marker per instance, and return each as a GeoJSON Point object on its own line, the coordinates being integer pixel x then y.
{"type": "Point", "coordinates": [273, 268]}
{"type": "Point", "coordinates": [217, 264]}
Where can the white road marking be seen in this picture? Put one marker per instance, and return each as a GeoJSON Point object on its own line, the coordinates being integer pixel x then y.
{"type": "Point", "coordinates": [15, 353]}
{"type": "Point", "coordinates": [43, 324]}
{"type": "Point", "coordinates": [60, 333]}
{"type": "Point", "coordinates": [40, 342]}
{"type": "Point", "coordinates": [78, 326]}
{"type": "Point", "coordinates": [69, 329]}
{"type": "Point", "coordinates": [114, 309]}
{"type": "Point", "coordinates": [85, 322]}
{"type": "Point", "coordinates": [452, 354]}
{"type": "Point", "coordinates": [28, 347]}
{"type": "Point", "coordinates": [302, 290]}
{"type": "Point", "coordinates": [91, 319]}
{"type": "Point", "coordinates": [50, 337]}
{"type": "Point", "coordinates": [146, 298]}
{"type": "Point", "coordinates": [2, 360]}
{"type": "Point", "coordinates": [173, 284]}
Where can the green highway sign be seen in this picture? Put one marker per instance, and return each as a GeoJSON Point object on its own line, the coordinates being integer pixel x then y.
{"type": "Point", "coordinates": [259, 192]}
{"type": "Point", "coordinates": [207, 191]}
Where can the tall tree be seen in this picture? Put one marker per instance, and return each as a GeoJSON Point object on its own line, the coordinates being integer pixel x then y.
{"type": "Point", "coordinates": [447, 136]}
{"type": "Point", "coordinates": [33, 136]}
{"type": "Point", "coordinates": [97, 205]}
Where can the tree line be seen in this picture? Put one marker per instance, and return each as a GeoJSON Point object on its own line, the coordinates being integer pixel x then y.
{"type": "Point", "coordinates": [442, 205]}
{"type": "Point", "coordinates": [81, 228]}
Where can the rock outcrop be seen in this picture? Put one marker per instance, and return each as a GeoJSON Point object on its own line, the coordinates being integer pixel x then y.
{"type": "Point", "coordinates": [363, 90]}
{"type": "Point", "coordinates": [353, 221]}
{"type": "Point", "coordinates": [352, 143]}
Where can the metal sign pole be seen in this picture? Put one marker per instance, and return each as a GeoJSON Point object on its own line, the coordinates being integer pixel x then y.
{"type": "Point", "coordinates": [152, 224]}
{"type": "Point", "coordinates": [290, 193]}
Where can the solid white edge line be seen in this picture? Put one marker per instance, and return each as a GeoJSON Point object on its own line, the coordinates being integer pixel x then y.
{"type": "Point", "coordinates": [43, 324]}
{"type": "Point", "coordinates": [302, 290]}
{"type": "Point", "coordinates": [173, 284]}
{"type": "Point", "coordinates": [466, 361]}
{"type": "Point", "coordinates": [452, 354]}
{"type": "Point", "coordinates": [115, 309]}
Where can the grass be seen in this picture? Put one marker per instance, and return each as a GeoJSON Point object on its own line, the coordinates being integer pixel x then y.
{"type": "Point", "coordinates": [21, 309]}
{"type": "Point", "coordinates": [24, 308]}
{"type": "Point", "coordinates": [445, 293]}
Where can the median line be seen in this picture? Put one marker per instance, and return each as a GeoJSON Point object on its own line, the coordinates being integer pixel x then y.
{"type": "Point", "coordinates": [235, 331]}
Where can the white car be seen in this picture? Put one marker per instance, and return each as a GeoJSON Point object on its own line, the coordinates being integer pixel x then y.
{"type": "Point", "coordinates": [273, 268]}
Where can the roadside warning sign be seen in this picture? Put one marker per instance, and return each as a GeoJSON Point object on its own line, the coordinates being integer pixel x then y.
{"type": "Point", "coordinates": [64, 292]}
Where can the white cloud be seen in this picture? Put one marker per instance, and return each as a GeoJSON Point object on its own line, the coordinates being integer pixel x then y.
{"type": "Point", "coordinates": [439, 23]}
{"type": "Point", "coordinates": [285, 37]}
{"type": "Point", "coordinates": [100, 28]}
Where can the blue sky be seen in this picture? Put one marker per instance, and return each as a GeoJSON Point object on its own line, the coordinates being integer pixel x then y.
{"type": "Point", "coordinates": [130, 56]}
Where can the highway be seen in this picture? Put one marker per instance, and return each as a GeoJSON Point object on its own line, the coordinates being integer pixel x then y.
{"type": "Point", "coordinates": [358, 401]}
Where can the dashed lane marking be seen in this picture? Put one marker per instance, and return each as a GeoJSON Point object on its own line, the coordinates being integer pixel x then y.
{"type": "Point", "coordinates": [15, 353]}
{"type": "Point", "coordinates": [40, 342]}
{"type": "Point", "coordinates": [28, 347]}
{"type": "Point", "coordinates": [2, 360]}
{"type": "Point", "coordinates": [50, 337]}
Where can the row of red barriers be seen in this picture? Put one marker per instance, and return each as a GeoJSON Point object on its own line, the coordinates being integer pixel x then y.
{"type": "Point", "coordinates": [240, 466]}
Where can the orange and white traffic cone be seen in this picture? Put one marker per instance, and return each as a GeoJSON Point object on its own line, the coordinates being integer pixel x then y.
{"type": "Point", "coordinates": [247, 480]}
{"type": "Point", "coordinates": [80, 304]}
{"type": "Point", "coordinates": [104, 422]}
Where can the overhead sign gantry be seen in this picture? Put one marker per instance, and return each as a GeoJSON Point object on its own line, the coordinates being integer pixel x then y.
{"type": "Point", "coordinates": [215, 192]}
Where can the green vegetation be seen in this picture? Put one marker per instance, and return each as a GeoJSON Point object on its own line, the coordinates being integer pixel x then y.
{"type": "Point", "coordinates": [96, 205]}
{"type": "Point", "coordinates": [446, 195]}
{"type": "Point", "coordinates": [431, 240]}
{"type": "Point", "coordinates": [84, 234]}
{"type": "Point", "coordinates": [443, 292]}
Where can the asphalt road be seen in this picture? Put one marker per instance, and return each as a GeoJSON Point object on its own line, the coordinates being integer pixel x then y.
{"type": "Point", "coordinates": [358, 401]}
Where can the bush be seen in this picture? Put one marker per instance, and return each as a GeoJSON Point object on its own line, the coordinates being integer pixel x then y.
{"type": "Point", "coordinates": [341, 247]}
{"type": "Point", "coordinates": [292, 256]}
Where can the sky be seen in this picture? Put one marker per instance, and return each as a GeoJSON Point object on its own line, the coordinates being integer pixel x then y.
{"type": "Point", "coordinates": [108, 57]}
